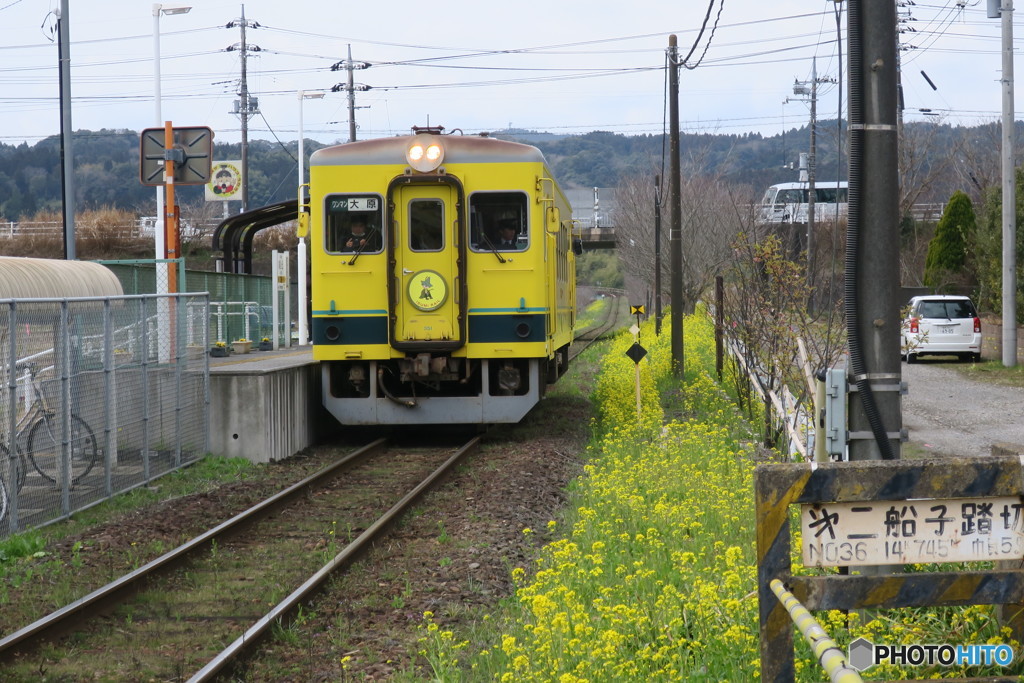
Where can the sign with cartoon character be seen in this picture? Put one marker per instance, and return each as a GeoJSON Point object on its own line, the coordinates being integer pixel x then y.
{"type": "Point", "coordinates": [225, 181]}
{"type": "Point", "coordinates": [427, 290]}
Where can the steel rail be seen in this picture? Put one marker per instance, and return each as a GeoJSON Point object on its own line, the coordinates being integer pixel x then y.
{"type": "Point", "coordinates": [60, 621]}
{"type": "Point", "coordinates": [590, 335]}
{"type": "Point", "coordinates": [341, 560]}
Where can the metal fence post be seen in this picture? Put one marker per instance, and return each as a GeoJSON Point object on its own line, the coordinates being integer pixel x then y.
{"type": "Point", "coordinates": [109, 407]}
{"type": "Point", "coordinates": [64, 362]}
{"type": "Point", "coordinates": [12, 420]}
{"type": "Point", "coordinates": [144, 323]}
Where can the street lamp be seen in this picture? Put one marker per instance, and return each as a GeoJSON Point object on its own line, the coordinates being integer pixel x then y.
{"type": "Point", "coordinates": [160, 226]}
{"type": "Point", "coordinates": [159, 9]}
{"type": "Point", "coordinates": [303, 300]}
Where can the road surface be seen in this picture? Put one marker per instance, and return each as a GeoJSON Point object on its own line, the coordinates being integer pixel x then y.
{"type": "Point", "coordinates": [947, 413]}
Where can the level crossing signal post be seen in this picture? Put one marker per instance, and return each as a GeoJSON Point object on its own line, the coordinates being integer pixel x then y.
{"type": "Point", "coordinates": [636, 352]}
{"type": "Point", "coordinates": [169, 156]}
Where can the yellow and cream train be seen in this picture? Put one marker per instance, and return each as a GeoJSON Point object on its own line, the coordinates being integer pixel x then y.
{"type": "Point", "coordinates": [443, 282]}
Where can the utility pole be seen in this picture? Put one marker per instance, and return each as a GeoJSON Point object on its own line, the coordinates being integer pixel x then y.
{"type": "Point", "coordinates": [66, 156]}
{"type": "Point", "coordinates": [350, 87]}
{"type": "Point", "coordinates": [812, 163]}
{"type": "Point", "coordinates": [657, 255]}
{"type": "Point", "coordinates": [873, 291]}
{"type": "Point", "coordinates": [810, 90]}
{"type": "Point", "coordinates": [676, 213]}
{"type": "Point", "coordinates": [1009, 298]}
{"type": "Point", "coordinates": [245, 107]}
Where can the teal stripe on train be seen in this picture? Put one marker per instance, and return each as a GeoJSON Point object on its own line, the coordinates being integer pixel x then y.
{"type": "Point", "coordinates": [483, 329]}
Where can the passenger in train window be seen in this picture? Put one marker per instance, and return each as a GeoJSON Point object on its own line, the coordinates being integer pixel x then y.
{"type": "Point", "coordinates": [360, 239]}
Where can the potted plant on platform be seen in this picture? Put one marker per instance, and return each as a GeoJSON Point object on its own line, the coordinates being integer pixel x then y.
{"type": "Point", "coordinates": [219, 350]}
{"type": "Point", "coordinates": [266, 344]}
{"type": "Point", "coordinates": [243, 345]}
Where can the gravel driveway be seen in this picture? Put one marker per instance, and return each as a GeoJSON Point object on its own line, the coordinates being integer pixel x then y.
{"type": "Point", "coordinates": [949, 414]}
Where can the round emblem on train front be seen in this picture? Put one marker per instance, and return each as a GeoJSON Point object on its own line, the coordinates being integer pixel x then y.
{"type": "Point", "coordinates": [427, 290]}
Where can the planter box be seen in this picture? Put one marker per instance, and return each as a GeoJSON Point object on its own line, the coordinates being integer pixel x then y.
{"type": "Point", "coordinates": [241, 347]}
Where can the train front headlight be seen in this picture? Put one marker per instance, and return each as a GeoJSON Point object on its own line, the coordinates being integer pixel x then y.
{"type": "Point", "coordinates": [425, 154]}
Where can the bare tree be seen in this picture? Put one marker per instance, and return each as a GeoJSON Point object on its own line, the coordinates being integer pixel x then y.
{"type": "Point", "coordinates": [713, 211]}
{"type": "Point", "coordinates": [766, 314]}
{"type": "Point", "coordinates": [923, 170]}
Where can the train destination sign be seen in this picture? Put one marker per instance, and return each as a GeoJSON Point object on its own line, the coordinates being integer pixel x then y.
{"type": "Point", "coordinates": [912, 531]}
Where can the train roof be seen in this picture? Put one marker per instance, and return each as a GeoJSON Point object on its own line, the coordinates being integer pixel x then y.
{"type": "Point", "coordinates": [458, 149]}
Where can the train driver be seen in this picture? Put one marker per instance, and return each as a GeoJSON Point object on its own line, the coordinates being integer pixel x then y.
{"type": "Point", "coordinates": [359, 238]}
{"type": "Point", "coordinates": [507, 232]}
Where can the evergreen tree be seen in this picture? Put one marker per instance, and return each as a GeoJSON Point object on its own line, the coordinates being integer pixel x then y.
{"type": "Point", "coordinates": [989, 248]}
{"type": "Point", "coordinates": [948, 250]}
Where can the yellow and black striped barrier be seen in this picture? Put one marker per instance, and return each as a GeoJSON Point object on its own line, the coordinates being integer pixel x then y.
{"type": "Point", "coordinates": [779, 486]}
{"type": "Point", "coordinates": [831, 658]}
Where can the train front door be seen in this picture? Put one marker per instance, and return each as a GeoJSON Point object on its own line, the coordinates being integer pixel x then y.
{"type": "Point", "coordinates": [426, 250]}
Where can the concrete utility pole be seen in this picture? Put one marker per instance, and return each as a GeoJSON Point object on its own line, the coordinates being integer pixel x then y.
{"type": "Point", "coordinates": [675, 241]}
{"type": "Point", "coordinates": [245, 107]}
{"type": "Point", "coordinates": [67, 158]}
{"type": "Point", "coordinates": [350, 87]}
{"type": "Point", "coordinates": [351, 99]}
{"type": "Point", "coordinates": [873, 293]}
{"type": "Point", "coordinates": [1009, 267]}
{"type": "Point", "coordinates": [810, 90]}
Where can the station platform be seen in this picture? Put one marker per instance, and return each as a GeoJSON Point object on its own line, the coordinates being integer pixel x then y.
{"type": "Point", "coordinates": [266, 405]}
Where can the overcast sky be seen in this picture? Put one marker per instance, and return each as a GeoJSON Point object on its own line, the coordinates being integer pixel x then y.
{"type": "Point", "coordinates": [477, 65]}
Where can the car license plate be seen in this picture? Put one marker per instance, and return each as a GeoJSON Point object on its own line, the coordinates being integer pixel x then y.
{"type": "Point", "coordinates": [947, 330]}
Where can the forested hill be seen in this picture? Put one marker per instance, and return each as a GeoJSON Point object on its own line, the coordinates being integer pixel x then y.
{"type": "Point", "coordinates": [107, 172]}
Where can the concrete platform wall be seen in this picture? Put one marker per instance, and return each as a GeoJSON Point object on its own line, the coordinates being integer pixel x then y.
{"type": "Point", "coordinates": [266, 408]}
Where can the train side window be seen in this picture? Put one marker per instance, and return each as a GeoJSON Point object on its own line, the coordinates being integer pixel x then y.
{"type": "Point", "coordinates": [489, 211]}
{"type": "Point", "coordinates": [426, 225]}
{"type": "Point", "coordinates": [345, 211]}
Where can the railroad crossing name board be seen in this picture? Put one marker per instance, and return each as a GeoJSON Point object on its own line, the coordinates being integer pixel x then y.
{"type": "Point", "coordinates": [912, 531]}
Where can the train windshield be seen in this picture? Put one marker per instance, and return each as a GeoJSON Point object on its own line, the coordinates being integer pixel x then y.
{"type": "Point", "coordinates": [498, 220]}
{"type": "Point", "coordinates": [354, 223]}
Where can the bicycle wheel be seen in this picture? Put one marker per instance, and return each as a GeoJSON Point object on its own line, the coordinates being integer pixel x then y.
{"type": "Point", "coordinates": [45, 448]}
{"type": "Point", "coordinates": [3, 501]}
{"type": "Point", "coordinates": [14, 468]}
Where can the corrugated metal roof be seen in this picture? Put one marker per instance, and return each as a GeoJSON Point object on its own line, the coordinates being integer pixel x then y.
{"type": "Point", "coordinates": [36, 278]}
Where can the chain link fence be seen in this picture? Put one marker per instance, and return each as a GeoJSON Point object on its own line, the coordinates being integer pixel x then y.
{"type": "Point", "coordinates": [99, 396]}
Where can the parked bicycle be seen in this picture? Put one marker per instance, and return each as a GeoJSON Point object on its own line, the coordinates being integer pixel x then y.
{"type": "Point", "coordinates": [56, 456]}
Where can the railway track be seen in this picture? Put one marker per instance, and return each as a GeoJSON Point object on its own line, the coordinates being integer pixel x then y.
{"type": "Point", "coordinates": [609, 323]}
{"type": "Point", "coordinates": [193, 612]}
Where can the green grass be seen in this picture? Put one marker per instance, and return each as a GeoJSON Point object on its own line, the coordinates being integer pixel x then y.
{"type": "Point", "coordinates": [993, 372]}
